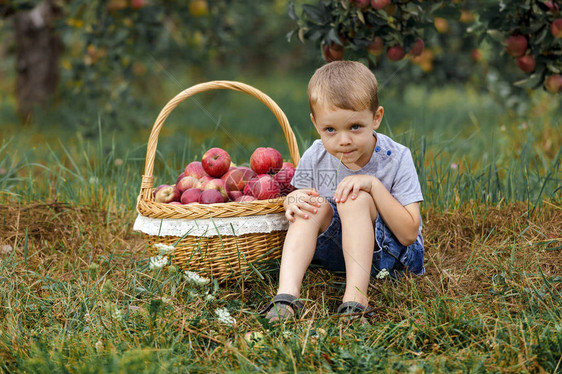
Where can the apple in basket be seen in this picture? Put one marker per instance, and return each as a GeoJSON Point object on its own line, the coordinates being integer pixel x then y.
{"type": "Point", "coordinates": [236, 180]}
{"type": "Point", "coordinates": [180, 177]}
{"type": "Point", "coordinates": [219, 185]}
{"type": "Point", "coordinates": [264, 187]}
{"type": "Point", "coordinates": [166, 194]}
{"type": "Point", "coordinates": [266, 160]}
{"type": "Point", "coordinates": [216, 162]}
{"type": "Point", "coordinates": [201, 182]}
{"type": "Point", "coordinates": [245, 198]}
{"type": "Point", "coordinates": [194, 169]}
{"type": "Point", "coordinates": [191, 195]}
{"type": "Point", "coordinates": [284, 177]}
{"type": "Point", "coordinates": [211, 197]}
{"type": "Point", "coordinates": [186, 183]}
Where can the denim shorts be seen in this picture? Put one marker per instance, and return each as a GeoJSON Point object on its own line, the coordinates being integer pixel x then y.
{"type": "Point", "coordinates": [389, 253]}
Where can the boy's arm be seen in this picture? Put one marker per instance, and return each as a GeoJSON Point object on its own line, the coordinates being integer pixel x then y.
{"type": "Point", "coordinates": [403, 221]}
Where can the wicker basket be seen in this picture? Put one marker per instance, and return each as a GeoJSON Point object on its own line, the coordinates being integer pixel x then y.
{"type": "Point", "coordinates": [220, 257]}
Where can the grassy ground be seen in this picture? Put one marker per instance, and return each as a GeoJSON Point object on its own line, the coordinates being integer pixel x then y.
{"type": "Point", "coordinates": [77, 293]}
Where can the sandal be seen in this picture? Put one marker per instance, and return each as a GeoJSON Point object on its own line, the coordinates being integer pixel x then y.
{"type": "Point", "coordinates": [353, 309]}
{"type": "Point", "coordinates": [283, 307]}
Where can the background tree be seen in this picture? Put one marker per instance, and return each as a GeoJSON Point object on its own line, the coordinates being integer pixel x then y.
{"type": "Point", "coordinates": [458, 41]}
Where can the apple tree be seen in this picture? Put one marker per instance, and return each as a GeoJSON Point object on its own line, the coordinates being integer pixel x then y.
{"type": "Point", "coordinates": [443, 40]}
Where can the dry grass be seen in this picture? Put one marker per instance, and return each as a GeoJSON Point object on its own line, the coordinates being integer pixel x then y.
{"type": "Point", "coordinates": [493, 280]}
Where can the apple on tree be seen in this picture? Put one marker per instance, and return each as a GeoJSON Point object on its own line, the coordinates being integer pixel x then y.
{"type": "Point", "coordinates": [516, 45]}
{"type": "Point", "coordinates": [395, 53]}
{"type": "Point", "coordinates": [553, 83]}
{"type": "Point", "coordinates": [556, 28]}
{"type": "Point", "coordinates": [379, 4]}
{"type": "Point", "coordinates": [376, 47]}
{"type": "Point", "coordinates": [526, 63]}
{"type": "Point", "coordinates": [216, 162]}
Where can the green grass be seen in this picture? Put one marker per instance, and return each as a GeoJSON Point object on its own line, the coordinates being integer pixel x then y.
{"type": "Point", "coordinates": [77, 293]}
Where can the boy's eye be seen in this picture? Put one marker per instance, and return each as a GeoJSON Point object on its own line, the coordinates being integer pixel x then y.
{"type": "Point", "coordinates": [355, 127]}
{"type": "Point", "coordinates": [329, 129]}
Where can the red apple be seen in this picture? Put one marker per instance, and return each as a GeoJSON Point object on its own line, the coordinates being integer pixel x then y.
{"type": "Point", "coordinates": [417, 48]}
{"type": "Point", "coordinates": [284, 177]}
{"type": "Point", "coordinates": [216, 162]}
{"type": "Point", "coordinates": [526, 63]}
{"type": "Point", "coordinates": [236, 179]}
{"type": "Point", "coordinates": [287, 164]}
{"type": "Point", "coordinates": [553, 83]}
{"type": "Point", "coordinates": [195, 169]}
{"type": "Point", "coordinates": [219, 185]}
{"type": "Point", "coordinates": [376, 47]}
{"type": "Point", "coordinates": [186, 183]}
{"type": "Point", "coordinates": [476, 55]}
{"type": "Point", "coordinates": [201, 182]}
{"type": "Point", "coordinates": [395, 53]}
{"type": "Point", "coordinates": [233, 195]}
{"type": "Point", "coordinates": [211, 197]}
{"type": "Point", "coordinates": [516, 45]}
{"type": "Point", "coordinates": [180, 177]}
{"type": "Point", "coordinates": [361, 4]}
{"type": "Point", "coordinates": [379, 4]}
{"type": "Point", "coordinates": [154, 191]}
{"type": "Point", "coordinates": [265, 187]}
{"type": "Point", "coordinates": [333, 52]}
{"type": "Point", "coordinates": [137, 4]}
{"type": "Point", "coordinates": [556, 28]}
{"type": "Point", "coordinates": [266, 160]}
{"type": "Point", "coordinates": [553, 7]}
{"type": "Point", "coordinates": [244, 198]}
{"type": "Point", "coordinates": [167, 194]}
{"type": "Point", "coordinates": [190, 196]}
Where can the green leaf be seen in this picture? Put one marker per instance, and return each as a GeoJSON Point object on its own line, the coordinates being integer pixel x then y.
{"type": "Point", "coordinates": [315, 14]}
{"type": "Point", "coordinates": [292, 12]}
{"type": "Point", "coordinates": [533, 81]}
{"type": "Point", "coordinates": [496, 35]}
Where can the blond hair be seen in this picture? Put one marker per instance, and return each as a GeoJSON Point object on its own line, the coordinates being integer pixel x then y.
{"type": "Point", "coordinates": [344, 85]}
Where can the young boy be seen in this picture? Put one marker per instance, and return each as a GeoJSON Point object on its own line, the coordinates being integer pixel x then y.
{"type": "Point", "coordinates": [356, 207]}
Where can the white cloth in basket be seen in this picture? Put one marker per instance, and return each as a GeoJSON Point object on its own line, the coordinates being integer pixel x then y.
{"type": "Point", "coordinates": [211, 226]}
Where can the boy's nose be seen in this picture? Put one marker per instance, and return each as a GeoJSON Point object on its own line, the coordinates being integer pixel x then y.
{"type": "Point", "coordinates": [344, 139]}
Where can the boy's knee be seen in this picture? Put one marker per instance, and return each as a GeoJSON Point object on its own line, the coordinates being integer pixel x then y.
{"type": "Point", "coordinates": [363, 201]}
{"type": "Point", "coordinates": [321, 218]}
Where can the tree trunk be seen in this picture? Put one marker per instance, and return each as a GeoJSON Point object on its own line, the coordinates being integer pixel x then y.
{"type": "Point", "coordinates": [38, 48]}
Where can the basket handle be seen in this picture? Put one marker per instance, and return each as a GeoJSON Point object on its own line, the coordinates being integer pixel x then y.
{"type": "Point", "coordinates": [147, 179]}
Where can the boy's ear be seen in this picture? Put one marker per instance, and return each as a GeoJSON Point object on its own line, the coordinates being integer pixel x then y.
{"type": "Point", "coordinates": [378, 117]}
{"type": "Point", "coordinates": [312, 119]}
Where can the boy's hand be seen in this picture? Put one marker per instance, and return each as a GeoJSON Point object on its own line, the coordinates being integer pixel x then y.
{"type": "Point", "coordinates": [351, 185]}
{"type": "Point", "coordinates": [299, 202]}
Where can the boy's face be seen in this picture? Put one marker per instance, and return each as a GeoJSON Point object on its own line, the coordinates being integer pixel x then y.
{"type": "Point", "coordinates": [347, 134]}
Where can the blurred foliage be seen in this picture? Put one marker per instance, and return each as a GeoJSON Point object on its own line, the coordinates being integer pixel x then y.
{"type": "Point", "coordinates": [463, 41]}
{"type": "Point", "coordinates": [121, 53]}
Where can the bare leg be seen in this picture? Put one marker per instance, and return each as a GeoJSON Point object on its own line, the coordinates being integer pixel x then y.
{"type": "Point", "coordinates": [299, 247]}
{"type": "Point", "coordinates": [358, 242]}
